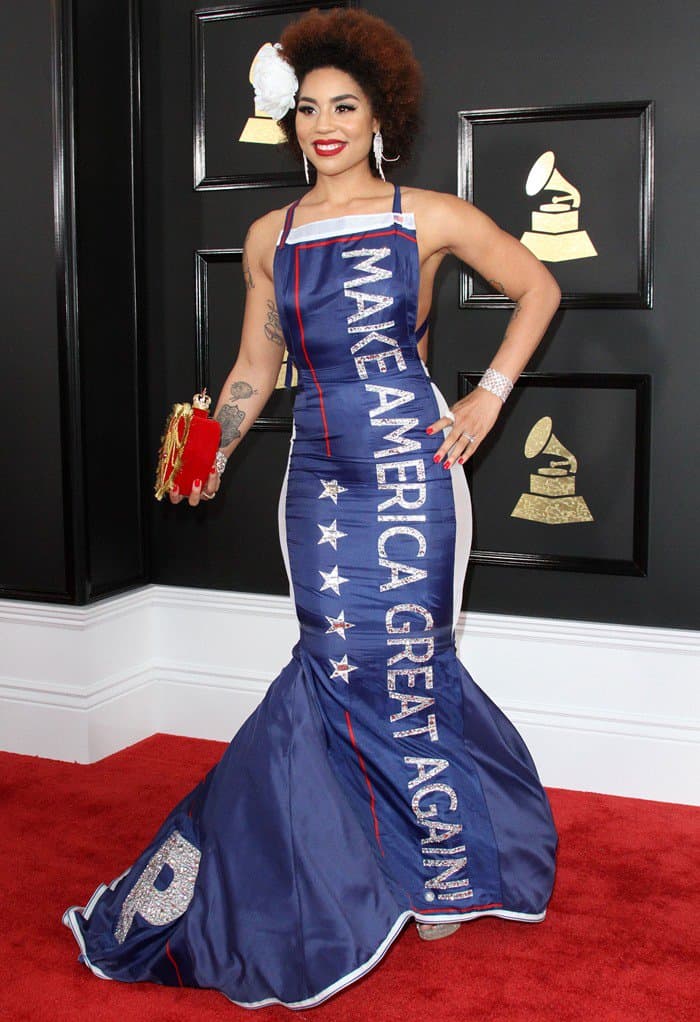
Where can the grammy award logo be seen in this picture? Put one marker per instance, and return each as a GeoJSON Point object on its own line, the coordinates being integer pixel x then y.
{"type": "Point", "coordinates": [555, 236]}
{"type": "Point", "coordinates": [261, 128]}
{"type": "Point", "coordinates": [552, 498]}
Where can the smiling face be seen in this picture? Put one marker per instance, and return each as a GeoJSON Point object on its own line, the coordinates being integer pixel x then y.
{"type": "Point", "coordinates": [334, 120]}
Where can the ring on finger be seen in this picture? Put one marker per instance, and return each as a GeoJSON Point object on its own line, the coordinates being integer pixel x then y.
{"type": "Point", "coordinates": [469, 437]}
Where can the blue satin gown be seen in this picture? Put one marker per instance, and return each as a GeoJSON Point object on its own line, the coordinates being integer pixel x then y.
{"type": "Point", "coordinates": [376, 782]}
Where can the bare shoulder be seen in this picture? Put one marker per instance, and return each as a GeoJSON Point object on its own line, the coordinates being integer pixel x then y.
{"type": "Point", "coordinates": [427, 204]}
{"type": "Point", "coordinates": [264, 232]}
{"type": "Point", "coordinates": [443, 218]}
{"type": "Point", "coordinates": [261, 239]}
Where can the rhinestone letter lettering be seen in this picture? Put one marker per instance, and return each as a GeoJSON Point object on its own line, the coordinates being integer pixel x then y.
{"type": "Point", "coordinates": [161, 907]}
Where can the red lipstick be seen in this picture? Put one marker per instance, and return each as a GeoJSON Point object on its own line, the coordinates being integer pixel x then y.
{"type": "Point", "coordinates": [328, 146]}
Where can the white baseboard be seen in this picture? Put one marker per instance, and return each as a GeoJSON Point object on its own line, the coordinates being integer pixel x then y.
{"type": "Point", "coordinates": [607, 708]}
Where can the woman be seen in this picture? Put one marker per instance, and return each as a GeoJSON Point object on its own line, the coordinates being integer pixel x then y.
{"type": "Point", "coordinates": [375, 783]}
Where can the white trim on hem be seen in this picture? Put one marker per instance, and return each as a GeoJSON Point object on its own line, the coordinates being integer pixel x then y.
{"type": "Point", "coordinates": [68, 920]}
{"type": "Point", "coordinates": [361, 970]}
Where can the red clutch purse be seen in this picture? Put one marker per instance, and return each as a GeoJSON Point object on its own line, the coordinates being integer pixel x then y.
{"type": "Point", "coordinates": [187, 447]}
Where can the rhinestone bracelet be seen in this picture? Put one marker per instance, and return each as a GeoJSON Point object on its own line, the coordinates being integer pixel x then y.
{"type": "Point", "coordinates": [220, 460]}
{"type": "Point", "coordinates": [497, 383]}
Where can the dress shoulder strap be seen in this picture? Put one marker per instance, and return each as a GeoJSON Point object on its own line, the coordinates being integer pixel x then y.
{"type": "Point", "coordinates": [288, 222]}
{"type": "Point", "coordinates": [423, 327]}
{"type": "Point", "coordinates": [397, 200]}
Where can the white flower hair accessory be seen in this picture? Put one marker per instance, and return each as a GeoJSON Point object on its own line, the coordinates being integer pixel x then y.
{"type": "Point", "coordinates": [274, 81]}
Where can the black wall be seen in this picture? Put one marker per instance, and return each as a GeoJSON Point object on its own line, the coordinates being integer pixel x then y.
{"type": "Point", "coordinates": [64, 534]}
{"type": "Point", "coordinates": [108, 184]}
{"type": "Point", "coordinates": [512, 55]}
{"type": "Point", "coordinates": [32, 540]}
{"type": "Point", "coordinates": [71, 522]}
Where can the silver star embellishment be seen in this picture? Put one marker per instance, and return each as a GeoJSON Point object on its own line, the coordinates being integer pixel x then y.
{"type": "Point", "coordinates": [331, 488]}
{"type": "Point", "coordinates": [331, 534]}
{"type": "Point", "coordinates": [341, 668]}
{"type": "Point", "coordinates": [332, 580]}
{"type": "Point", "coordinates": [338, 625]}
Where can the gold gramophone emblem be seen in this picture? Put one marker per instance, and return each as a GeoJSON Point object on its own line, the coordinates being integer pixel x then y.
{"type": "Point", "coordinates": [261, 128]}
{"type": "Point", "coordinates": [552, 498]}
{"type": "Point", "coordinates": [555, 236]}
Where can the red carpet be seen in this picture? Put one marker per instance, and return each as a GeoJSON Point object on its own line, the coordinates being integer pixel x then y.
{"type": "Point", "coordinates": [619, 941]}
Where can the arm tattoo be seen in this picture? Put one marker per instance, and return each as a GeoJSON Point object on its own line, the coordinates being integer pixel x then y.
{"type": "Point", "coordinates": [498, 286]}
{"type": "Point", "coordinates": [230, 417]}
{"type": "Point", "coordinates": [247, 275]}
{"type": "Point", "coordinates": [241, 389]}
{"type": "Point", "coordinates": [273, 327]}
{"type": "Point", "coordinates": [516, 310]}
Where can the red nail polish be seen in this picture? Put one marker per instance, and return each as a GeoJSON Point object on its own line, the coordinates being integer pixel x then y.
{"type": "Point", "coordinates": [447, 464]}
{"type": "Point", "coordinates": [429, 429]}
{"type": "Point", "coordinates": [460, 461]}
{"type": "Point", "coordinates": [436, 457]}
{"type": "Point", "coordinates": [197, 483]}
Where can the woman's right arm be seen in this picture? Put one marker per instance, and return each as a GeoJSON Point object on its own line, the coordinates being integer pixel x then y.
{"type": "Point", "coordinates": [254, 374]}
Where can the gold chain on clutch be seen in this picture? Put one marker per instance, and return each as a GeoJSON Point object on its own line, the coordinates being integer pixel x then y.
{"type": "Point", "coordinates": [172, 447]}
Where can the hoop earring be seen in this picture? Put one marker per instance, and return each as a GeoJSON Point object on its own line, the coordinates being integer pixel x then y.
{"type": "Point", "coordinates": [306, 169]}
{"type": "Point", "coordinates": [378, 147]}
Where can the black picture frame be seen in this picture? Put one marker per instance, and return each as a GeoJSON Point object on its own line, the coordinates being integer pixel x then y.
{"type": "Point", "coordinates": [277, 413]}
{"type": "Point", "coordinates": [220, 161]}
{"type": "Point", "coordinates": [609, 148]}
{"type": "Point", "coordinates": [589, 425]}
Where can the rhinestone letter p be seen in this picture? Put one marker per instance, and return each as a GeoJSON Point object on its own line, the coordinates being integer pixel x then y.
{"type": "Point", "coordinates": [161, 907]}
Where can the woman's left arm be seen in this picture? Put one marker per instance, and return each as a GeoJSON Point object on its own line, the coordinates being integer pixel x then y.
{"type": "Point", "coordinates": [448, 223]}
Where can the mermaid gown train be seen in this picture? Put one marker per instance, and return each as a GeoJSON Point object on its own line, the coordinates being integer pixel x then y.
{"type": "Point", "coordinates": [375, 782]}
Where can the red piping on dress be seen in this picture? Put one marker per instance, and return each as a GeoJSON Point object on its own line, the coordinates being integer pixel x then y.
{"type": "Point", "coordinates": [306, 354]}
{"type": "Point", "coordinates": [167, 951]}
{"type": "Point", "coordinates": [369, 783]}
